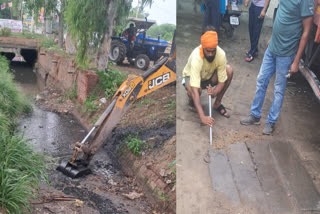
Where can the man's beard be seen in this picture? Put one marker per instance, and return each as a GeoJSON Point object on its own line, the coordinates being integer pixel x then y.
{"type": "Point", "coordinates": [210, 58]}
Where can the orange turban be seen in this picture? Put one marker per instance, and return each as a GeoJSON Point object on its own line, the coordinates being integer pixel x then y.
{"type": "Point", "coordinates": [208, 40]}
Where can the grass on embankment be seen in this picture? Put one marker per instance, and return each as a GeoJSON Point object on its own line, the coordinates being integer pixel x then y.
{"type": "Point", "coordinates": [28, 35]}
{"type": "Point", "coordinates": [12, 103]}
{"type": "Point", "coordinates": [21, 169]}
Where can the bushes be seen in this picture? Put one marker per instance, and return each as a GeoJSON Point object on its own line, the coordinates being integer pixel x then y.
{"type": "Point", "coordinates": [111, 80]}
{"type": "Point", "coordinates": [5, 31]}
{"type": "Point", "coordinates": [49, 44]}
{"type": "Point", "coordinates": [12, 102]}
{"type": "Point", "coordinates": [90, 105]}
{"type": "Point", "coordinates": [21, 170]}
{"type": "Point", "coordinates": [135, 145]}
{"type": "Point", "coordinates": [20, 167]}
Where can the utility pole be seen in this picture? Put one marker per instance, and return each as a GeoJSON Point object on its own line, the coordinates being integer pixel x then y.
{"type": "Point", "coordinates": [45, 18]}
{"type": "Point", "coordinates": [21, 13]}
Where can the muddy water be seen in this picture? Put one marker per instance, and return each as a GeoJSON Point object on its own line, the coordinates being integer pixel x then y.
{"type": "Point", "coordinates": [49, 132]}
{"type": "Point", "coordinates": [53, 135]}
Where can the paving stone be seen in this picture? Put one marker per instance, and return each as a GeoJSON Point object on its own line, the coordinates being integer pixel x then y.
{"type": "Point", "coordinates": [271, 182]}
{"type": "Point", "coordinates": [245, 177]}
{"type": "Point", "coordinates": [297, 180]}
{"type": "Point", "coordinates": [221, 175]}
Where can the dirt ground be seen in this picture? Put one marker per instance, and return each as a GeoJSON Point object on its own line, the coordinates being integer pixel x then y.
{"type": "Point", "coordinates": [297, 124]}
{"type": "Point", "coordinates": [115, 185]}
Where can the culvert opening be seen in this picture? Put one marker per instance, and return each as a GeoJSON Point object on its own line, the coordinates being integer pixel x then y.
{"type": "Point", "coordinates": [8, 55]}
{"type": "Point", "coordinates": [29, 55]}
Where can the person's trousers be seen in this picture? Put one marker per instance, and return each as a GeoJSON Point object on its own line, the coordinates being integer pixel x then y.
{"type": "Point", "coordinates": [255, 26]}
{"type": "Point", "coordinates": [271, 64]}
{"type": "Point", "coordinates": [212, 15]}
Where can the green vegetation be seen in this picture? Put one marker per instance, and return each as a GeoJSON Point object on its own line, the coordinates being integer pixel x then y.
{"type": "Point", "coordinates": [4, 123]}
{"type": "Point", "coordinates": [165, 30]}
{"type": "Point", "coordinates": [135, 145]}
{"type": "Point", "coordinates": [95, 119]}
{"type": "Point", "coordinates": [28, 35]}
{"type": "Point", "coordinates": [90, 105]}
{"type": "Point", "coordinates": [12, 103]}
{"type": "Point", "coordinates": [21, 169]}
{"type": "Point", "coordinates": [71, 94]}
{"type": "Point", "coordinates": [50, 7]}
{"type": "Point", "coordinates": [90, 22]}
{"type": "Point", "coordinates": [145, 101]}
{"type": "Point", "coordinates": [162, 196]}
{"type": "Point", "coordinates": [5, 31]}
{"type": "Point", "coordinates": [111, 80]}
{"type": "Point", "coordinates": [13, 12]}
{"type": "Point", "coordinates": [96, 12]}
{"type": "Point", "coordinates": [171, 105]}
{"type": "Point", "coordinates": [137, 11]}
{"type": "Point", "coordinates": [171, 118]}
{"type": "Point", "coordinates": [60, 100]}
{"type": "Point", "coordinates": [172, 166]}
{"type": "Point", "coordinates": [50, 44]}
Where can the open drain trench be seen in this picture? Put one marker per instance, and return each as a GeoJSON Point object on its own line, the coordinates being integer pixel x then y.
{"type": "Point", "coordinates": [54, 135]}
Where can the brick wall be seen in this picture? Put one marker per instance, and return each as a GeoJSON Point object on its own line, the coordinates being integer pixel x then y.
{"type": "Point", "coordinates": [60, 72]}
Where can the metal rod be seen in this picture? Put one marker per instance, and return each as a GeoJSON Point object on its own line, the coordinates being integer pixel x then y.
{"type": "Point", "coordinates": [88, 135]}
{"type": "Point", "coordinates": [210, 114]}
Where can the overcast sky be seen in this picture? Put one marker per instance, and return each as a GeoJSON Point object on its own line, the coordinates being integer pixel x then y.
{"type": "Point", "coordinates": [162, 11]}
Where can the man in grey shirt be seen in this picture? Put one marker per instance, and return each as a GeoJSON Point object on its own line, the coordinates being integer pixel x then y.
{"type": "Point", "coordinates": [289, 37]}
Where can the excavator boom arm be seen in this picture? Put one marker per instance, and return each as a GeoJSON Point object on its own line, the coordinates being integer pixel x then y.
{"type": "Point", "coordinates": [135, 87]}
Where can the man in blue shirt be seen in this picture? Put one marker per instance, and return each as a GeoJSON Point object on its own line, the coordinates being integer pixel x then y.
{"type": "Point", "coordinates": [289, 37]}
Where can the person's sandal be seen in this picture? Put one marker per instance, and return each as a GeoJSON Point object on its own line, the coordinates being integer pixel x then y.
{"type": "Point", "coordinates": [223, 113]}
{"type": "Point", "coordinates": [249, 58]}
{"type": "Point", "coordinates": [254, 55]}
{"type": "Point", "coordinates": [191, 106]}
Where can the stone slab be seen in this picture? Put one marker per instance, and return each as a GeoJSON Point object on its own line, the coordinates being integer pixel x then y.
{"type": "Point", "coordinates": [221, 175]}
{"type": "Point", "coordinates": [297, 180]}
{"type": "Point", "coordinates": [272, 184]}
{"type": "Point", "coordinates": [246, 178]}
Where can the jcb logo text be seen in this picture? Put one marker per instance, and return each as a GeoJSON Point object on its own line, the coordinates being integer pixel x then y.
{"type": "Point", "coordinates": [158, 80]}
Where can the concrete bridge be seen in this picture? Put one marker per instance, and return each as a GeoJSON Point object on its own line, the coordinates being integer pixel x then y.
{"type": "Point", "coordinates": [20, 46]}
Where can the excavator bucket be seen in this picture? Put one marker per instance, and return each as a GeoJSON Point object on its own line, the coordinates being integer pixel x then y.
{"type": "Point", "coordinates": [74, 170]}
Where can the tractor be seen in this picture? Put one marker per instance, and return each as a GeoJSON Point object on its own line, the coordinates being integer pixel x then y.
{"type": "Point", "coordinates": [142, 49]}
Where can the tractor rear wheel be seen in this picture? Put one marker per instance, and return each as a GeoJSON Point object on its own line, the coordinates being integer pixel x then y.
{"type": "Point", "coordinates": [117, 52]}
{"type": "Point", "coordinates": [142, 62]}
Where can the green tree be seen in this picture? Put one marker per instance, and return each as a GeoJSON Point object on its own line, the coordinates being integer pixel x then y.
{"type": "Point", "coordinates": [92, 22]}
{"type": "Point", "coordinates": [13, 12]}
{"type": "Point", "coordinates": [138, 10]}
{"type": "Point", "coordinates": [50, 6]}
{"type": "Point", "coordinates": [164, 30]}
{"type": "Point", "coordinates": [122, 24]}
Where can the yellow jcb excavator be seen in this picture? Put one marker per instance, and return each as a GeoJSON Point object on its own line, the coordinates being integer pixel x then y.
{"type": "Point", "coordinates": [135, 87]}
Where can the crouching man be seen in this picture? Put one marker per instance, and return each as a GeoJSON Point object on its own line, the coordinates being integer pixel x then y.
{"type": "Point", "coordinates": [207, 69]}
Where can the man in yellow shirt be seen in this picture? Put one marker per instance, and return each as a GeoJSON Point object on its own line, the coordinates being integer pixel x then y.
{"type": "Point", "coordinates": [206, 67]}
